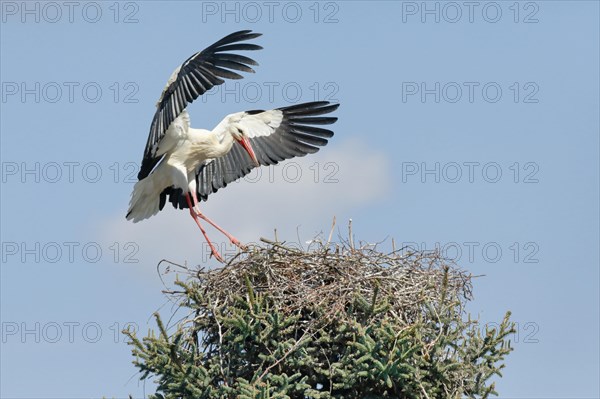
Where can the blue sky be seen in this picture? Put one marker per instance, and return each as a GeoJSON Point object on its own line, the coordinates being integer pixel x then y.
{"type": "Point", "coordinates": [474, 128]}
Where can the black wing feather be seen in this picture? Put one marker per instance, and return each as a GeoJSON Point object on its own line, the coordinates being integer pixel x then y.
{"type": "Point", "coordinates": [198, 74]}
{"type": "Point", "coordinates": [295, 137]}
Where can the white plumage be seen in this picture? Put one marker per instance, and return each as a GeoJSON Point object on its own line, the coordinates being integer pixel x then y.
{"type": "Point", "coordinates": [184, 148]}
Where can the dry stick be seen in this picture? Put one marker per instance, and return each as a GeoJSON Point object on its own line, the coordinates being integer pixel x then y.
{"type": "Point", "coordinates": [350, 239]}
{"type": "Point", "coordinates": [423, 389]}
{"type": "Point", "coordinates": [298, 236]}
{"type": "Point", "coordinates": [279, 245]}
{"type": "Point", "coordinates": [170, 263]}
{"type": "Point", "coordinates": [330, 232]}
{"type": "Point", "coordinates": [220, 343]}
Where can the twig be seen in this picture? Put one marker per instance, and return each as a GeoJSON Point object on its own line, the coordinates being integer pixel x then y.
{"type": "Point", "coordinates": [330, 232]}
{"type": "Point", "coordinates": [350, 238]}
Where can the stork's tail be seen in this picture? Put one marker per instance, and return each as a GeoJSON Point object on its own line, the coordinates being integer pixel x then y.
{"type": "Point", "coordinates": [145, 200]}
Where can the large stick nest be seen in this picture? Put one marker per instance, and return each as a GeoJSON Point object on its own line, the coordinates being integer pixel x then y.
{"type": "Point", "coordinates": [331, 278]}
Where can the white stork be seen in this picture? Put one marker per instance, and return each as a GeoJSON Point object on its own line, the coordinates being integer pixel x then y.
{"type": "Point", "coordinates": [185, 164]}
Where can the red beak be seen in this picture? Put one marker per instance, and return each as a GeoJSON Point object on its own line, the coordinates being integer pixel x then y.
{"type": "Point", "coordinates": [245, 142]}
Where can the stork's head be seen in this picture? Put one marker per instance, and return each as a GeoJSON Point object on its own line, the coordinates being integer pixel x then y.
{"type": "Point", "coordinates": [239, 134]}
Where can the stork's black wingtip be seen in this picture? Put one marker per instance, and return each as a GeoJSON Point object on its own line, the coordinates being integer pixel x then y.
{"type": "Point", "coordinates": [331, 106]}
{"type": "Point", "coordinates": [254, 34]}
{"type": "Point", "coordinates": [248, 34]}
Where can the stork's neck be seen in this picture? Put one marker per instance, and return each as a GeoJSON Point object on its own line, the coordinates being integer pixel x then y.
{"type": "Point", "coordinates": [211, 144]}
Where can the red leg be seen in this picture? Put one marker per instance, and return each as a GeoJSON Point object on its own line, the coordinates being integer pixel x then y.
{"type": "Point", "coordinates": [233, 240]}
{"type": "Point", "coordinates": [213, 250]}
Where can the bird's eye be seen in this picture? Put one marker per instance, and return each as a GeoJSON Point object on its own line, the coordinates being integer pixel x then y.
{"type": "Point", "coordinates": [239, 130]}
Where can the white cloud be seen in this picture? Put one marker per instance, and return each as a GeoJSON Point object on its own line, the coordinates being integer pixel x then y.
{"type": "Point", "coordinates": [305, 192]}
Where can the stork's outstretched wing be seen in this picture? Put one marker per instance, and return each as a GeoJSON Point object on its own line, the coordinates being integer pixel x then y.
{"type": "Point", "coordinates": [275, 135]}
{"type": "Point", "coordinates": [198, 74]}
